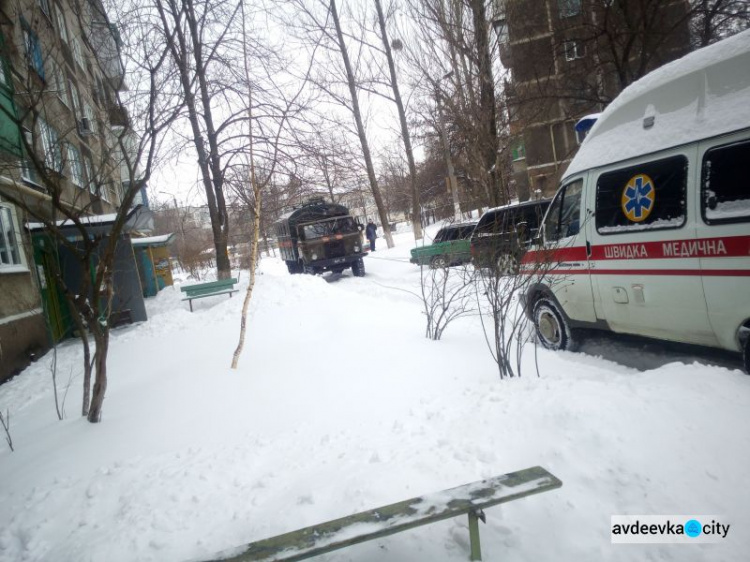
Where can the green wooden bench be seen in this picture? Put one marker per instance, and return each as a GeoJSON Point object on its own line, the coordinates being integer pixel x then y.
{"type": "Point", "coordinates": [470, 499]}
{"type": "Point", "coordinates": [200, 290]}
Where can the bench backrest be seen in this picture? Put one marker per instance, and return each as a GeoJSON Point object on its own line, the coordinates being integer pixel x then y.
{"type": "Point", "coordinates": [387, 520]}
{"type": "Point", "coordinates": [210, 287]}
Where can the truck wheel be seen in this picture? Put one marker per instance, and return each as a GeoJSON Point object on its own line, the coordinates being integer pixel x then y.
{"type": "Point", "coordinates": [746, 356]}
{"type": "Point", "coordinates": [551, 328]}
{"type": "Point", "coordinates": [358, 268]}
{"type": "Point", "coordinates": [292, 267]}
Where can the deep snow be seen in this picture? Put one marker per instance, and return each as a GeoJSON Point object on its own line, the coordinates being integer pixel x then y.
{"type": "Point", "coordinates": [340, 405]}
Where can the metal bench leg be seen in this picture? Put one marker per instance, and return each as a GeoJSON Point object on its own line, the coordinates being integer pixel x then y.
{"type": "Point", "coordinates": [476, 547]}
{"type": "Point", "coordinates": [190, 302]}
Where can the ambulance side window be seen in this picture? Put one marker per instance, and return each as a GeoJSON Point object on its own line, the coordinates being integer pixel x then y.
{"type": "Point", "coordinates": [725, 188]}
{"type": "Point", "coordinates": [648, 196]}
{"type": "Point", "coordinates": [564, 216]}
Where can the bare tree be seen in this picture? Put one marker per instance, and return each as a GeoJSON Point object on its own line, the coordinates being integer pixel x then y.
{"type": "Point", "coordinates": [5, 422]}
{"type": "Point", "coordinates": [455, 81]}
{"type": "Point", "coordinates": [415, 210]}
{"type": "Point", "coordinates": [447, 294]}
{"type": "Point", "coordinates": [71, 181]}
{"type": "Point", "coordinates": [712, 20]}
{"type": "Point", "coordinates": [323, 17]}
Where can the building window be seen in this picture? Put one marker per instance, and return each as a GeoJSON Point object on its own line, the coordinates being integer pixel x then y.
{"type": "Point", "coordinates": [88, 113]}
{"type": "Point", "coordinates": [90, 175]}
{"type": "Point", "coordinates": [61, 28]}
{"type": "Point", "coordinates": [10, 253]}
{"type": "Point", "coordinates": [75, 98]}
{"type": "Point", "coordinates": [74, 160]}
{"type": "Point", "coordinates": [4, 80]}
{"type": "Point", "coordinates": [647, 196]}
{"type": "Point", "coordinates": [33, 51]}
{"type": "Point", "coordinates": [78, 53]}
{"type": "Point", "coordinates": [573, 50]}
{"type": "Point", "coordinates": [28, 172]}
{"type": "Point", "coordinates": [58, 83]}
{"type": "Point", "coordinates": [44, 6]}
{"type": "Point", "coordinates": [51, 146]}
{"type": "Point", "coordinates": [725, 197]}
{"type": "Point", "coordinates": [569, 8]}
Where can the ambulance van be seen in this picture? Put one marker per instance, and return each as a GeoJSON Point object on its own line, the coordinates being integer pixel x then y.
{"type": "Point", "coordinates": [649, 232]}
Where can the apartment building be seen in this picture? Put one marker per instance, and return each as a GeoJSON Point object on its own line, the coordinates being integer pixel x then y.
{"type": "Point", "coordinates": [568, 59]}
{"type": "Point", "coordinates": [60, 71]}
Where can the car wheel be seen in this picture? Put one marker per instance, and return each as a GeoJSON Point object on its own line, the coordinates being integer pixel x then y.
{"type": "Point", "coordinates": [507, 264]}
{"type": "Point", "coordinates": [358, 268]}
{"type": "Point", "coordinates": [552, 330]}
{"type": "Point", "coordinates": [438, 262]}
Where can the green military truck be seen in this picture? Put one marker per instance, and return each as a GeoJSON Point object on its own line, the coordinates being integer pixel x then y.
{"type": "Point", "coordinates": [320, 236]}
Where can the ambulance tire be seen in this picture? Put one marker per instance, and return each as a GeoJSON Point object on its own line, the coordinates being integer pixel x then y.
{"type": "Point", "coordinates": [551, 327]}
{"type": "Point", "coordinates": [746, 356]}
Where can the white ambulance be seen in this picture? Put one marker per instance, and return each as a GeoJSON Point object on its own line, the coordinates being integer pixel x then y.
{"type": "Point", "coordinates": [649, 232]}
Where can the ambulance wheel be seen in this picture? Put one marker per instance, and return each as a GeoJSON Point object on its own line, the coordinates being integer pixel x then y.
{"type": "Point", "coordinates": [358, 268]}
{"type": "Point", "coordinates": [552, 330]}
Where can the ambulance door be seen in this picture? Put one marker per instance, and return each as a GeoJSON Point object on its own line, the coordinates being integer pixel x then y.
{"type": "Point", "coordinates": [724, 234]}
{"type": "Point", "coordinates": [565, 242]}
{"type": "Point", "coordinates": [643, 259]}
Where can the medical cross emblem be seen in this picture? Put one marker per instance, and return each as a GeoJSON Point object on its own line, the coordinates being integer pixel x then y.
{"type": "Point", "coordinates": [638, 198]}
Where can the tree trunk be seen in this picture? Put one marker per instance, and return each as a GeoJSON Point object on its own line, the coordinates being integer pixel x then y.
{"type": "Point", "coordinates": [487, 113]}
{"type": "Point", "coordinates": [100, 368]}
{"type": "Point", "coordinates": [251, 282]}
{"type": "Point", "coordinates": [415, 207]}
{"type": "Point", "coordinates": [361, 129]}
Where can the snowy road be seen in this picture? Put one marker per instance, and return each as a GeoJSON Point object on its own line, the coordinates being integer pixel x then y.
{"type": "Point", "coordinates": [341, 405]}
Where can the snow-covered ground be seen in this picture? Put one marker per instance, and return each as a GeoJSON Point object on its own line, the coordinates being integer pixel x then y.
{"type": "Point", "coordinates": [341, 405]}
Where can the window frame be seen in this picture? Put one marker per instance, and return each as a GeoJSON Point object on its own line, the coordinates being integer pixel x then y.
{"type": "Point", "coordinates": [560, 196]}
{"type": "Point", "coordinates": [44, 6]}
{"type": "Point", "coordinates": [51, 146]}
{"type": "Point", "coordinates": [12, 245]}
{"type": "Point", "coordinates": [62, 28]}
{"type": "Point", "coordinates": [569, 8]}
{"type": "Point", "coordinates": [574, 49]}
{"type": "Point", "coordinates": [703, 191]}
{"type": "Point", "coordinates": [633, 170]}
{"type": "Point", "coordinates": [75, 165]}
{"type": "Point", "coordinates": [33, 50]}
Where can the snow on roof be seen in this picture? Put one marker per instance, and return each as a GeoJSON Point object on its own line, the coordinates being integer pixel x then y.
{"type": "Point", "coordinates": [153, 240]}
{"type": "Point", "coordinates": [90, 220]}
{"type": "Point", "coordinates": [702, 95]}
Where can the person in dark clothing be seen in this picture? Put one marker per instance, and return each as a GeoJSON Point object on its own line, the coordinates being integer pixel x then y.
{"type": "Point", "coordinates": [372, 233]}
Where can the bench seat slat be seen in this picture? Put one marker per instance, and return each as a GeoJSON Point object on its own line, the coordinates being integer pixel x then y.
{"type": "Point", "coordinates": [211, 285]}
{"type": "Point", "coordinates": [387, 520]}
{"type": "Point", "coordinates": [191, 296]}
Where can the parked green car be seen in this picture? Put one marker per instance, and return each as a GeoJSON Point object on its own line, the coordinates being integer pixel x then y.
{"type": "Point", "coordinates": [451, 246]}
